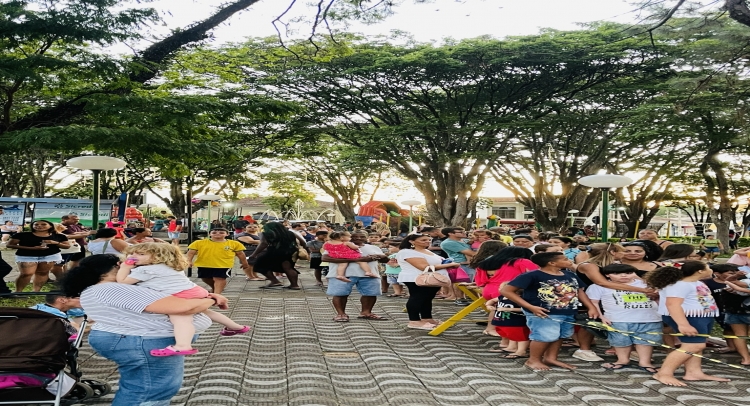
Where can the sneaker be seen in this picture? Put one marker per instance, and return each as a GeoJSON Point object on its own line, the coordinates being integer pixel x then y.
{"type": "Point", "coordinates": [587, 355]}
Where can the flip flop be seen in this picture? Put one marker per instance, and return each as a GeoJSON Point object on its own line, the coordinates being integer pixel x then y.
{"type": "Point", "coordinates": [650, 370]}
{"type": "Point", "coordinates": [227, 332]}
{"type": "Point", "coordinates": [427, 326]}
{"type": "Point", "coordinates": [341, 319]}
{"type": "Point", "coordinates": [513, 356]}
{"type": "Point", "coordinates": [279, 286]}
{"type": "Point", "coordinates": [500, 350]}
{"type": "Point", "coordinates": [292, 288]}
{"type": "Point", "coordinates": [371, 317]}
{"type": "Point", "coordinates": [614, 367]}
{"type": "Point", "coordinates": [395, 295]}
{"type": "Point", "coordinates": [170, 351]}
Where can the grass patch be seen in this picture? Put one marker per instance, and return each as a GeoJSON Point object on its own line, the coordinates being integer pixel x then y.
{"type": "Point", "coordinates": [26, 301]}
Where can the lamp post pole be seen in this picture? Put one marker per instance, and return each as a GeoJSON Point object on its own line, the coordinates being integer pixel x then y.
{"type": "Point", "coordinates": [411, 204]}
{"type": "Point", "coordinates": [605, 182]}
{"type": "Point", "coordinates": [96, 164]}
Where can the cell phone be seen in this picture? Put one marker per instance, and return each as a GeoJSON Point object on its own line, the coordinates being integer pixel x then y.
{"type": "Point", "coordinates": [447, 261]}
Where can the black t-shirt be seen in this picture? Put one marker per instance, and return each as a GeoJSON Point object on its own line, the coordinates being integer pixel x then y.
{"type": "Point", "coordinates": [727, 302]}
{"type": "Point", "coordinates": [28, 239]}
{"type": "Point", "coordinates": [556, 293]}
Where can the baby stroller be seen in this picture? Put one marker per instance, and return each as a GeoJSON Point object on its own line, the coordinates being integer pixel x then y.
{"type": "Point", "coordinates": [38, 363]}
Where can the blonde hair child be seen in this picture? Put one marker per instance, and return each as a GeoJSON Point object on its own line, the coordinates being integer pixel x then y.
{"type": "Point", "coordinates": [339, 246]}
{"type": "Point", "coordinates": [160, 266]}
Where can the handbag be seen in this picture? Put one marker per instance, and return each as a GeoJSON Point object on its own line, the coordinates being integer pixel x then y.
{"type": "Point", "coordinates": [73, 249]}
{"type": "Point", "coordinates": [302, 253]}
{"type": "Point", "coordinates": [430, 278]}
{"type": "Point", "coordinates": [458, 275]}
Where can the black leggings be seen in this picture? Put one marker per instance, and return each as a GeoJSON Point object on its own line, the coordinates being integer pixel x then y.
{"type": "Point", "coordinates": [419, 305]}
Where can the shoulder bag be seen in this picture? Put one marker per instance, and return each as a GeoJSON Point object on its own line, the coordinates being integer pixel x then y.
{"type": "Point", "coordinates": [302, 252]}
{"type": "Point", "coordinates": [73, 249]}
{"type": "Point", "coordinates": [430, 278]}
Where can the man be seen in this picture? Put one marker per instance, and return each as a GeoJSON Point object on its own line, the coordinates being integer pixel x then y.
{"type": "Point", "coordinates": [437, 239]}
{"type": "Point", "coordinates": [216, 258]}
{"type": "Point", "coordinates": [460, 252]}
{"type": "Point", "coordinates": [5, 268]}
{"type": "Point", "coordinates": [239, 226]}
{"type": "Point", "coordinates": [142, 234]}
{"type": "Point", "coordinates": [524, 241]}
{"type": "Point", "coordinates": [174, 229]}
{"type": "Point", "coordinates": [368, 288]}
{"type": "Point", "coordinates": [75, 231]}
{"type": "Point", "coordinates": [299, 229]}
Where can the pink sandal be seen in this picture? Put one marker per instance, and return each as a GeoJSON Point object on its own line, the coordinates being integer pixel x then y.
{"type": "Point", "coordinates": [227, 332]}
{"type": "Point", "coordinates": [170, 351]}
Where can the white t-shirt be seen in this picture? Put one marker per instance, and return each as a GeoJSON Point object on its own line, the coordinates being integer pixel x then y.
{"type": "Point", "coordinates": [698, 300]}
{"type": "Point", "coordinates": [161, 278]}
{"type": "Point", "coordinates": [625, 306]}
{"type": "Point", "coordinates": [408, 272]}
{"type": "Point", "coordinates": [355, 270]}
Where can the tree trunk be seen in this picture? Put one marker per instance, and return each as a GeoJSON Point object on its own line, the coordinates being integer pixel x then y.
{"type": "Point", "coordinates": [177, 203]}
{"type": "Point", "coordinates": [718, 186]}
{"type": "Point", "coordinates": [450, 195]}
{"type": "Point", "coordinates": [346, 208]}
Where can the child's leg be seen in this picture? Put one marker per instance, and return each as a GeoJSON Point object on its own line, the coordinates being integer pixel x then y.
{"type": "Point", "coordinates": [223, 320]}
{"type": "Point", "coordinates": [693, 370]}
{"type": "Point", "coordinates": [623, 355]}
{"type": "Point", "coordinates": [366, 267]}
{"type": "Point", "coordinates": [341, 272]}
{"type": "Point", "coordinates": [671, 363]}
{"type": "Point", "coordinates": [398, 289]}
{"type": "Point", "coordinates": [536, 351]}
{"type": "Point", "coordinates": [740, 343]}
{"type": "Point", "coordinates": [644, 354]}
{"type": "Point", "coordinates": [550, 356]}
{"type": "Point", "coordinates": [183, 331]}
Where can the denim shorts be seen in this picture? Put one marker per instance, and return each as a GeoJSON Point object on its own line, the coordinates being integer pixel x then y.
{"type": "Point", "coordinates": [47, 258]}
{"type": "Point", "coordinates": [551, 328]}
{"type": "Point", "coordinates": [144, 379]}
{"type": "Point", "coordinates": [173, 235]}
{"type": "Point", "coordinates": [393, 280]}
{"type": "Point", "coordinates": [365, 286]}
{"type": "Point", "coordinates": [702, 324]}
{"type": "Point", "coordinates": [622, 340]}
{"type": "Point", "coordinates": [731, 318]}
{"type": "Point", "coordinates": [711, 249]}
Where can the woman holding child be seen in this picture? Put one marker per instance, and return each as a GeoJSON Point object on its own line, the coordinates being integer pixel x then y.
{"type": "Point", "coordinates": [130, 322]}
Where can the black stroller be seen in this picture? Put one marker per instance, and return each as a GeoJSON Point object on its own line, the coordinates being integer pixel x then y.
{"type": "Point", "coordinates": [38, 363]}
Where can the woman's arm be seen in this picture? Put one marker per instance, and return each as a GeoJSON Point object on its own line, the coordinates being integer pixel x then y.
{"type": "Point", "coordinates": [176, 305]}
{"type": "Point", "coordinates": [248, 240]}
{"type": "Point", "coordinates": [118, 245]}
{"type": "Point", "coordinates": [421, 263]}
{"type": "Point", "coordinates": [13, 244]}
{"type": "Point", "coordinates": [592, 271]}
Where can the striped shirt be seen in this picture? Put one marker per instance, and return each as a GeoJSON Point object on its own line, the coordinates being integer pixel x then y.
{"type": "Point", "coordinates": [119, 309]}
{"type": "Point", "coordinates": [161, 278]}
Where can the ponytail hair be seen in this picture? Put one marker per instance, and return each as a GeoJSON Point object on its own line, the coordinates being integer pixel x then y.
{"type": "Point", "coordinates": [669, 275]}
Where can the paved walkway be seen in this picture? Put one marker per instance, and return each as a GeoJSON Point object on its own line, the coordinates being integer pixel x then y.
{"type": "Point", "coordinates": [296, 355]}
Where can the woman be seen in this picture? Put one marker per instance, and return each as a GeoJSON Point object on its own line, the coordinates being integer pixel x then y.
{"type": "Point", "coordinates": [141, 235]}
{"type": "Point", "coordinates": [106, 242]}
{"type": "Point", "coordinates": [276, 253]}
{"type": "Point", "coordinates": [8, 230]}
{"type": "Point", "coordinates": [676, 253]}
{"type": "Point", "coordinates": [651, 235]}
{"type": "Point", "coordinates": [635, 255]}
{"type": "Point", "coordinates": [38, 251]}
{"type": "Point", "coordinates": [250, 239]}
{"type": "Point", "coordinates": [130, 322]}
{"type": "Point", "coordinates": [413, 257]}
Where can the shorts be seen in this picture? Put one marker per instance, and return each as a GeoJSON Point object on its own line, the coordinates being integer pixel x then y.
{"type": "Point", "coordinates": [196, 292]}
{"type": "Point", "coordinates": [711, 249]}
{"type": "Point", "coordinates": [702, 324]}
{"type": "Point", "coordinates": [551, 328]}
{"type": "Point", "coordinates": [77, 256]}
{"type": "Point", "coordinates": [393, 279]}
{"type": "Point", "coordinates": [731, 318]}
{"type": "Point", "coordinates": [365, 286]}
{"type": "Point", "coordinates": [173, 235]}
{"type": "Point", "coordinates": [315, 263]}
{"type": "Point", "coordinates": [622, 340]}
{"type": "Point", "coordinates": [214, 272]}
{"type": "Point", "coordinates": [47, 258]}
{"type": "Point", "coordinates": [513, 333]}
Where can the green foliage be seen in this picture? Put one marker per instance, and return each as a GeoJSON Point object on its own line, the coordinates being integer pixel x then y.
{"type": "Point", "coordinates": [288, 189]}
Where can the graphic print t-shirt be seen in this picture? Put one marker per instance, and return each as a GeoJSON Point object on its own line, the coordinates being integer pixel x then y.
{"type": "Point", "coordinates": [698, 300]}
{"type": "Point", "coordinates": [625, 306]}
{"type": "Point", "coordinates": [556, 293]}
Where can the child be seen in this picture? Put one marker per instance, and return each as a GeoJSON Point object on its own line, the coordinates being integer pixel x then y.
{"type": "Point", "coordinates": [550, 300]}
{"type": "Point", "coordinates": [159, 267]}
{"type": "Point", "coordinates": [392, 269]}
{"type": "Point", "coordinates": [733, 318]}
{"type": "Point", "coordinates": [339, 246]}
{"type": "Point", "coordinates": [565, 243]}
{"type": "Point", "coordinates": [547, 248]}
{"type": "Point", "coordinates": [686, 305]}
{"type": "Point", "coordinates": [480, 236]}
{"type": "Point", "coordinates": [316, 256]}
{"type": "Point", "coordinates": [626, 310]}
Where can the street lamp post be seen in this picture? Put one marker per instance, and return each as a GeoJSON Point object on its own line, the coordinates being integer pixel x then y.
{"type": "Point", "coordinates": [211, 199]}
{"type": "Point", "coordinates": [411, 204]}
{"type": "Point", "coordinates": [572, 212]}
{"type": "Point", "coordinates": [96, 164]}
{"type": "Point", "coordinates": [148, 207]}
{"type": "Point", "coordinates": [605, 182]}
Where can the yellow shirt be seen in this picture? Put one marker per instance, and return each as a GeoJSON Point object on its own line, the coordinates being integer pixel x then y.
{"type": "Point", "coordinates": [506, 239]}
{"type": "Point", "coordinates": [213, 254]}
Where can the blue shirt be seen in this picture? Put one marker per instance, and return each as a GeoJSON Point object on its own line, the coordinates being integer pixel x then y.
{"type": "Point", "coordinates": [453, 249]}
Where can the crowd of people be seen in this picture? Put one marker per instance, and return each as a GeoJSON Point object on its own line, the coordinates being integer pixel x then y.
{"type": "Point", "coordinates": [538, 286]}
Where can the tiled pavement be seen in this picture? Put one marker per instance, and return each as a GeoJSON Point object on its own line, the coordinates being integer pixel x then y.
{"type": "Point", "coordinates": [296, 355]}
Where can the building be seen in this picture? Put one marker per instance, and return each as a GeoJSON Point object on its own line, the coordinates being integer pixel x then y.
{"type": "Point", "coordinates": [508, 211]}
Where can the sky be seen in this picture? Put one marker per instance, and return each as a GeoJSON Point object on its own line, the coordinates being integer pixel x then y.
{"type": "Point", "coordinates": [431, 21]}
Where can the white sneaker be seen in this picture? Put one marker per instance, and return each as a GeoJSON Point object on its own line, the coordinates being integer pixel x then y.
{"type": "Point", "coordinates": [587, 355]}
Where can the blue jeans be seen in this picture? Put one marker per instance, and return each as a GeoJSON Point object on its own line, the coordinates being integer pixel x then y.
{"type": "Point", "coordinates": [551, 328]}
{"type": "Point", "coordinates": [365, 286]}
{"type": "Point", "coordinates": [145, 380]}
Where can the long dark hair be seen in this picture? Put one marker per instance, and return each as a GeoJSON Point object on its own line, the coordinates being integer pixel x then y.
{"type": "Point", "coordinates": [277, 235]}
{"type": "Point", "coordinates": [675, 251]}
{"type": "Point", "coordinates": [51, 230]}
{"type": "Point", "coordinates": [652, 249]}
{"type": "Point", "coordinates": [506, 256]}
{"type": "Point", "coordinates": [662, 277]}
{"type": "Point", "coordinates": [89, 272]}
{"type": "Point", "coordinates": [406, 242]}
